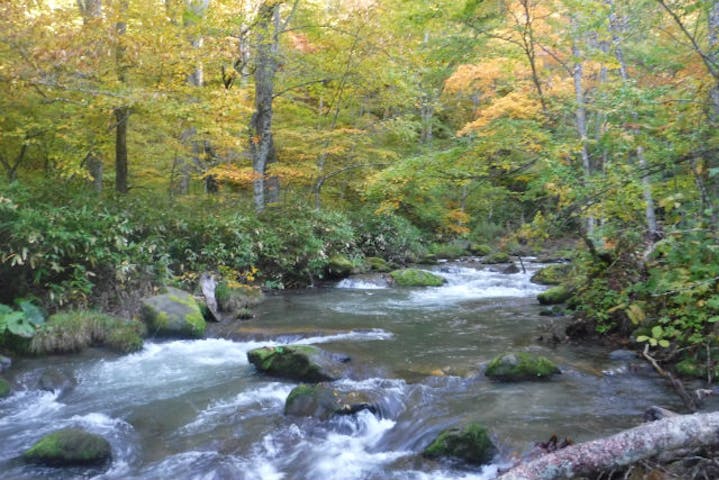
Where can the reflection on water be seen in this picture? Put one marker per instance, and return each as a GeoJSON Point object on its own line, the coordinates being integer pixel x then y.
{"type": "Point", "coordinates": [198, 410]}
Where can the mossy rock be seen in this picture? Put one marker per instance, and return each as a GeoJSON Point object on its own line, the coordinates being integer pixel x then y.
{"type": "Point", "coordinates": [5, 389]}
{"type": "Point", "coordinates": [429, 259]}
{"type": "Point", "coordinates": [377, 264]}
{"type": "Point", "coordinates": [480, 249]}
{"type": "Point", "coordinates": [322, 401]}
{"type": "Point", "coordinates": [497, 257]}
{"type": "Point", "coordinates": [450, 251]}
{"type": "Point", "coordinates": [126, 337]}
{"type": "Point", "coordinates": [69, 447]}
{"type": "Point", "coordinates": [339, 266]}
{"type": "Point", "coordinates": [520, 366]}
{"type": "Point", "coordinates": [299, 362]}
{"type": "Point", "coordinates": [413, 277]}
{"type": "Point", "coordinates": [551, 274]}
{"type": "Point", "coordinates": [554, 295]}
{"type": "Point", "coordinates": [237, 297]}
{"type": "Point", "coordinates": [174, 314]}
{"type": "Point", "coordinates": [470, 444]}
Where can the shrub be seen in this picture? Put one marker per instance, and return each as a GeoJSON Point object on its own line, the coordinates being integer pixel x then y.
{"type": "Point", "coordinates": [388, 236]}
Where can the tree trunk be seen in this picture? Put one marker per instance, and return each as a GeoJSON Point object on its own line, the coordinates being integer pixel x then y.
{"type": "Point", "coordinates": [122, 113]}
{"type": "Point", "coordinates": [649, 212]}
{"type": "Point", "coordinates": [90, 10]}
{"type": "Point", "coordinates": [262, 146]}
{"type": "Point", "coordinates": [581, 115]}
{"type": "Point", "coordinates": [623, 449]}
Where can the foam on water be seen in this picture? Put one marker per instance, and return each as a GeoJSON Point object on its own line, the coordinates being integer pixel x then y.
{"type": "Point", "coordinates": [360, 284]}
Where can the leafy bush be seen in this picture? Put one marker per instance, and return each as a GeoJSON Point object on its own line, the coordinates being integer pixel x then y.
{"type": "Point", "coordinates": [388, 236]}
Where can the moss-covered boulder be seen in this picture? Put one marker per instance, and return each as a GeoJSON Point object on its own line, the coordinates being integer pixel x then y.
{"type": "Point", "coordinates": [414, 277]}
{"type": "Point", "coordinates": [497, 257]}
{"type": "Point", "coordinates": [480, 249]}
{"type": "Point", "coordinates": [174, 314]}
{"type": "Point", "coordinates": [520, 366]}
{"type": "Point", "coordinates": [299, 362]}
{"type": "Point", "coordinates": [70, 447]}
{"type": "Point", "coordinates": [5, 389]}
{"type": "Point", "coordinates": [377, 264]}
{"type": "Point", "coordinates": [471, 444]}
{"type": "Point", "coordinates": [237, 299]}
{"type": "Point", "coordinates": [551, 274]}
{"type": "Point", "coordinates": [339, 266]}
{"type": "Point", "coordinates": [322, 401]}
{"type": "Point", "coordinates": [554, 295]}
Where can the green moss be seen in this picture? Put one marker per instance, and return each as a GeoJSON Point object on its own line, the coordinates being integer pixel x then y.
{"type": "Point", "coordinates": [4, 388]}
{"type": "Point", "coordinates": [70, 446]}
{"type": "Point", "coordinates": [298, 362]}
{"type": "Point", "coordinates": [470, 444]}
{"type": "Point", "coordinates": [498, 257]}
{"type": "Point", "coordinates": [175, 314]}
{"type": "Point", "coordinates": [413, 277]}
{"type": "Point", "coordinates": [551, 274]}
{"type": "Point", "coordinates": [480, 249]}
{"type": "Point", "coordinates": [514, 367]}
{"type": "Point", "coordinates": [378, 264]}
{"type": "Point", "coordinates": [302, 390]}
{"type": "Point", "coordinates": [554, 295]}
{"type": "Point", "coordinates": [236, 298]}
{"type": "Point", "coordinates": [339, 266]}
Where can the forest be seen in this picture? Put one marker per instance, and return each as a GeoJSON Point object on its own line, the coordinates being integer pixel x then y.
{"type": "Point", "coordinates": [278, 146]}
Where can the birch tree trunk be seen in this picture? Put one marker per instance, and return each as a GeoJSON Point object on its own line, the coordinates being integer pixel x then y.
{"type": "Point", "coordinates": [581, 114]}
{"type": "Point", "coordinates": [262, 148]}
{"type": "Point", "coordinates": [649, 212]}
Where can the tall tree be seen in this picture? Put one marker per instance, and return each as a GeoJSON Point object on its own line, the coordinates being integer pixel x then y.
{"type": "Point", "coordinates": [122, 112]}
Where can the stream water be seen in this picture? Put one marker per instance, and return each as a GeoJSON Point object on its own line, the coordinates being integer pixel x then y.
{"type": "Point", "coordinates": [198, 410]}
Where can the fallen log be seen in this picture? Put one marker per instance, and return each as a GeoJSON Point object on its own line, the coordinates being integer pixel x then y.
{"type": "Point", "coordinates": [622, 449]}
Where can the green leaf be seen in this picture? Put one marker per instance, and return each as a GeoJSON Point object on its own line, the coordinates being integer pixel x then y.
{"type": "Point", "coordinates": [32, 312]}
{"type": "Point", "coordinates": [18, 325]}
{"type": "Point", "coordinates": [664, 343]}
{"type": "Point", "coordinates": [657, 331]}
{"type": "Point", "coordinates": [713, 319]}
{"type": "Point", "coordinates": [642, 338]}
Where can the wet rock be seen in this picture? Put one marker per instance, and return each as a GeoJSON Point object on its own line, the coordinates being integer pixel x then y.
{"type": "Point", "coordinates": [623, 355]}
{"type": "Point", "coordinates": [510, 269]}
{"type": "Point", "coordinates": [299, 362]}
{"type": "Point", "coordinates": [174, 314]}
{"type": "Point", "coordinates": [56, 380]}
{"type": "Point", "coordinates": [322, 401]}
{"type": "Point", "coordinates": [69, 447]}
{"type": "Point", "coordinates": [551, 274]}
{"type": "Point", "coordinates": [237, 299]}
{"type": "Point", "coordinates": [5, 363]}
{"type": "Point", "coordinates": [5, 389]}
{"type": "Point", "coordinates": [554, 296]}
{"type": "Point", "coordinates": [470, 444]}
{"type": "Point", "coordinates": [413, 277]}
{"type": "Point", "coordinates": [520, 366]}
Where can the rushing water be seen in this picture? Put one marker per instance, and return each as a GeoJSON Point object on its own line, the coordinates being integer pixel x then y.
{"type": "Point", "coordinates": [197, 409]}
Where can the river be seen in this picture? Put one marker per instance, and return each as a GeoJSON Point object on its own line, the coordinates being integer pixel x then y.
{"type": "Point", "coordinates": [198, 410]}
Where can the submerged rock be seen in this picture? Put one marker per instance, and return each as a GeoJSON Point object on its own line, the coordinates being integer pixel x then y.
{"type": "Point", "coordinates": [520, 366]}
{"type": "Point", "coordinates": [470, 444]}
{"type": "Point", "coordinates": [414, 277]}
{"type": "Point", "coordinates": [5, 389]}
{"type": "Point", "coordinates": [299, 362]}
{"type": "Point", "coordinates": [322, 401]}
{"type": "Point", "coordinates": [173, 314]}
{"type": "Point", "coordinates": [554, 296]}
{"type": "Point", "coordinates": [70, 447]}
{"type": "Point", "coordinates": [551, 274]}
{"type": "Point", "coordinates": [511, 269]}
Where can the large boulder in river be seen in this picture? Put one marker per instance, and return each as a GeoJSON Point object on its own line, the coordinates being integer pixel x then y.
{"type": "Point", "coordinates": [470, 444]}
{"type": "Point", "coordinates": [55, 380]}
{"type": "Point", "coordinates": [173, 314]}
{"type": "Point", "coordinates": [299, 362]}
{"type": "Point", "coordinates": [551, 274]}
{"type": "Point", "coordinates": [339, 266]}
{"type": "Point", "coordinates": [414, 277]}
{"type": "Point", "coordinates": [237, 299]}
{"type": "Point", "coordinates": [322, 401]}
{"type": "Point", "coordinates": [520, 366]}
{"type": "Point", "coordinates": [5, 389]}
{"type": "Point", "coordinates": [69, 447]}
